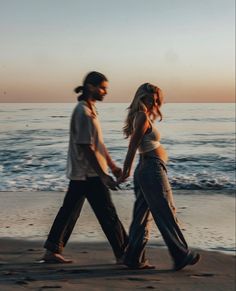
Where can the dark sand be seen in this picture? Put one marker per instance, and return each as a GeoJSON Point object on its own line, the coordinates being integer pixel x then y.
{"type": "Point", "coordinates": [94, 269]}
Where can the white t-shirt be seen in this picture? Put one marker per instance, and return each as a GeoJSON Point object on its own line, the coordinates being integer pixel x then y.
{"type": "Point", "coordinates": [84, 129]}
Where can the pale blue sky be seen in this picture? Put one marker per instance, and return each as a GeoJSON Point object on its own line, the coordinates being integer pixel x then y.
{"type": "Point", "coordinates": [184, 46]}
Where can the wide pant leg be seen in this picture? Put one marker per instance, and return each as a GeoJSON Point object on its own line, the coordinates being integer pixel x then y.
{"type": "Point", "coordinates": [153, 181]}
{"type": "Point", "coordinates": [99, 197]}
{"type": "Point", "coordinates": [67, 216]}
{"type": "Point", "coordinates": [139, 229]}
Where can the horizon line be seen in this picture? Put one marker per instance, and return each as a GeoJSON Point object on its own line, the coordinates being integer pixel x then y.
{"type": "Point", "coordinates": [116, 102]}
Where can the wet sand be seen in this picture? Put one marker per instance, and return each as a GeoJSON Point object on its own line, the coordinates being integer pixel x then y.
{"type": "Point", "coordinates": [26, 217]}
{"type": "Point", "coordinates": [207, 217]}
{"type": "Point", "coordinates": [94, 269]}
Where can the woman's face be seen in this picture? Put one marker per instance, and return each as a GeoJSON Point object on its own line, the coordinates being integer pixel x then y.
{"type": "Point", "coordinates": [148, 101]}
{"type": "Point", "coordinates": [152, 101]}
{"type": "Point", "coordinates": [160, 97]}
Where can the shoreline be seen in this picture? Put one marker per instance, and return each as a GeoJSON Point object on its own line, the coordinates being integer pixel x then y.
{"type": "Point", "coordinates": [207, 219]}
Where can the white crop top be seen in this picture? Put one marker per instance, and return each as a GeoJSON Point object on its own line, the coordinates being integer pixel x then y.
{"type": "Point", "coordinates": [150, 140]}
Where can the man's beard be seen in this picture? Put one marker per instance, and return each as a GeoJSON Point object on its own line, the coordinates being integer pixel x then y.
{"type": "Point", "coordinates": [99, 97]}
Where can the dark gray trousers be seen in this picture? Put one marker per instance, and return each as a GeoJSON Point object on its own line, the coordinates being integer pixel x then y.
{"type": "Point", "coordinates": [153, 198]}
{"type": "Point", "coordinates": [99, 198]}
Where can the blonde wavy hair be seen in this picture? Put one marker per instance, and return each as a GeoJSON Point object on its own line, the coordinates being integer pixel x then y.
{"type": "Point", "coordinates": [137, 104]}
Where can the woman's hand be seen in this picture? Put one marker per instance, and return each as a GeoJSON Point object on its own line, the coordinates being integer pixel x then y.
{"type": "Point", "coordinates": [125, 175]}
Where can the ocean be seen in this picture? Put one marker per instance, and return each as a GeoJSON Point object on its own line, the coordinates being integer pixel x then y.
{"type": "Point", "coordinates": [199, 138]}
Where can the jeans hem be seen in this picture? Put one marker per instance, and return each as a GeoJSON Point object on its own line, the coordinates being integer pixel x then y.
{"type": "Point", "coordinates": [53, 247]}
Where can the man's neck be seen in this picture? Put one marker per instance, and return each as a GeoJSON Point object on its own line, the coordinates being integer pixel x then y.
{"type": "Point", "coordinates": [91, 101]}
{"type": "Point", "coordinates": [91, 105]}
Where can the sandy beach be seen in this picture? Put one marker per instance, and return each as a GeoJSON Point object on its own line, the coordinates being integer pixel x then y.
{"type": "Point", "coordinates": [26, 217]}
{"type": "Point", "coordinates": [94, 269]}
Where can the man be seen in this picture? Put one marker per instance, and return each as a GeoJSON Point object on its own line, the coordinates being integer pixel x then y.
{"type": "Point", "coordinates": [87, 163]}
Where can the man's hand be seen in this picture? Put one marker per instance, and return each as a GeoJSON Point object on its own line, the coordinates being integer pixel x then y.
{"type": "Point", "coordinates": [117, 172]}
{"type": "Point", "coordinates": [109, 182]}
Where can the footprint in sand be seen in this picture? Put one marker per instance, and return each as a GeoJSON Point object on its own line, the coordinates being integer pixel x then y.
{"type": "Point", "coordinates": [141, 279]}
{"type": "Point", "coordinates": [9, 273]}
{"type": "Point", "coordinates": [21, 282]}
{"type": "Point", "coordinates": [202, 275]}
{"type": "Point", "coordinates": [51, 287]}
{"type": "Point", "coordinates": [29, 279]}
{"type": "Point", "coordinates": [137, 279]}
{"type": "Point", "coordinates": [79, 271]}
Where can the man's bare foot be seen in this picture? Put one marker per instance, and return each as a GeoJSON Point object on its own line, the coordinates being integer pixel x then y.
{"type": "Point", "coordinates": [55, 258]}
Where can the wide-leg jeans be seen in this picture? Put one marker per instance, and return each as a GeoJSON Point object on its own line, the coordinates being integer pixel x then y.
{"type": "Point", "coordinates": [99, 198]}
{"type": "Point", "coordinates": [153, 199]}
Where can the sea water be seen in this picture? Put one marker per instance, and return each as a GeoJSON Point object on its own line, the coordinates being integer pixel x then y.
{"type": "Point", "coordinates": [199, 138]}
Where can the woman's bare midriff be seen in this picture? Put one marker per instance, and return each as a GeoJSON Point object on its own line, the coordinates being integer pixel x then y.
{"type": "Point", "coordinates": [159, 152]}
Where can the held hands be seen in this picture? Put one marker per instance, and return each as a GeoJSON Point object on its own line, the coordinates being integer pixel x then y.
{"type": "Point", "coordinates": [116, 171]}
{"type": "Point", "coordinates": [123, 177]}
{"type": "Point", "coordinates": [109, 182]}
{"type": "Point", "coordinates": [120, 175]}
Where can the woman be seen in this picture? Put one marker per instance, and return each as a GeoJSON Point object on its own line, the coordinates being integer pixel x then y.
{"type": "Point", "coordinates": [151, 185]}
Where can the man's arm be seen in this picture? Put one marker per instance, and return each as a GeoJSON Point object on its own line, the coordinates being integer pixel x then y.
{"type": "Point", "coordinates": [117, 172]}
{"type": "Point", "coordinates": [91, 157]}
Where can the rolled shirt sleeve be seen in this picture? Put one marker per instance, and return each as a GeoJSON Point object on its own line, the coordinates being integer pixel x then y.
{"type": "Point", "coordinates": [83, 128]}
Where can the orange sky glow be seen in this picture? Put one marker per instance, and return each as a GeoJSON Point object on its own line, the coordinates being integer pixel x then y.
{"type": "Point", "coordinates": [188, 50]}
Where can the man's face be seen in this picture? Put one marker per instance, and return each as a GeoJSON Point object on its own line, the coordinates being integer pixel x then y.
{"type": "Point", "coordinates": [100, 91]}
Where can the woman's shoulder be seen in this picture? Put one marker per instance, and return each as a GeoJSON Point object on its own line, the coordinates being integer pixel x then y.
{"type": "Point", "coordinates": [140, 118]}
{"type": "Point", "coordinates": [141, 115]}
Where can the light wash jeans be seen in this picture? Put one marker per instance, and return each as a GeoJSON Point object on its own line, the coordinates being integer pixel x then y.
{"type": "Point", "coordinates": [153, 198]}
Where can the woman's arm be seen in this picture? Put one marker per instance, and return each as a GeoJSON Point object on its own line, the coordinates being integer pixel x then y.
{"type": "Point", "coordinates": [140, 127]}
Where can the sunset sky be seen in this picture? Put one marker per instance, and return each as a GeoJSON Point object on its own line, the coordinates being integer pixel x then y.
{"type": "Point", "coordinates": [185, 47]}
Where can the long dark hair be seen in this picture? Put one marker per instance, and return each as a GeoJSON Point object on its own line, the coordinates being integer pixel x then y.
{"type": "Point", "coordinates": [93, 78]}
